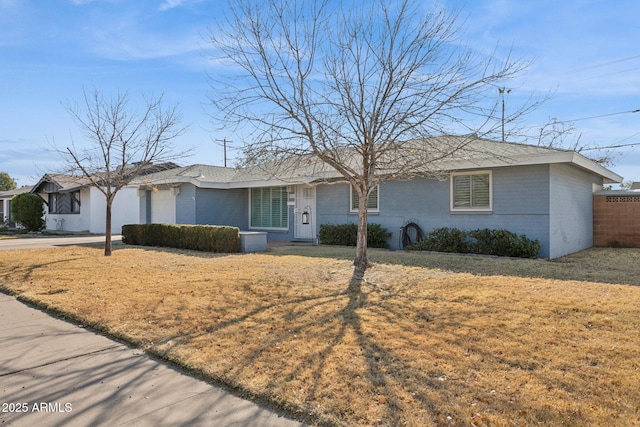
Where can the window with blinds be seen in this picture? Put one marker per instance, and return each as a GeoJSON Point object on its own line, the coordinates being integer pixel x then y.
{"type": "Point", "coordinates": [471, 191]}
{"type": "Point", "coordinates": [372, 202]}
{"type": "Point", "coordinates": [268, 208]}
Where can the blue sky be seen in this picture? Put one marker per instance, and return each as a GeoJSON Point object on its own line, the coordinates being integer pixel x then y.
{"type": "Point", "coordinates": [585, 53]}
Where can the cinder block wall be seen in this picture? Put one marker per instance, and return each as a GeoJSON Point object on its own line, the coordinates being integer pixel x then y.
{"type": "Point", "coordinates": [616, 220]}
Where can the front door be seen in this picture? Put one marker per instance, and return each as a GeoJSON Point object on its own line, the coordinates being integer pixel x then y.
{"type": "Point", "coordinates": [305, 212]}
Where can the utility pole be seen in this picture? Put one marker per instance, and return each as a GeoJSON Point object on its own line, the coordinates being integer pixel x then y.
{"type": "Point", "coordinates": [224, 144]}
{"type": "Point", "coordinates": [501, 91]}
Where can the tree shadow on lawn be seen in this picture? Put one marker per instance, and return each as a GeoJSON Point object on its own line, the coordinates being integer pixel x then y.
{"type": "Point", "coordinates": [361, 357]}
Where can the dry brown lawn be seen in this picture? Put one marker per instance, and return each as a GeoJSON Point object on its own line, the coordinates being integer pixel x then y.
{"type": "Point", "coordinates": [429, 340]}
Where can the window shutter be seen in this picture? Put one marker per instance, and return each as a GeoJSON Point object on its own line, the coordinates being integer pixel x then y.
{"type": "Point", "coordinates": [372, 200]}
{"type": "Point", "coordinates": [472, 191]}
{"type": "Point", "coordinates": [462, 191]}
{"type": "Point", "coordinates": [269, 207]}
{"type": "Point", "coordinates": [480, 191]}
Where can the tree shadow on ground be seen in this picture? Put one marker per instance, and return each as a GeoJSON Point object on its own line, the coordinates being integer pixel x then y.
{"type": "Point", "coordinates": [362, 356]}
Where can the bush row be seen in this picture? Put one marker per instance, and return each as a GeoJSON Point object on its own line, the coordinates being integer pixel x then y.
{"type": "Point", "coordinates": [210, 238]}
{"type": "Point", "coordinates": [347, 235]}
{"type": "Point", "coordinates": [483, 241]}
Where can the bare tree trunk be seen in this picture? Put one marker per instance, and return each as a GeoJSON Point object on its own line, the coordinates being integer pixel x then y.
{"type": "Point", "coordinates": [361, 263]}
{"type": "Point", "coordinates": [107, 239]}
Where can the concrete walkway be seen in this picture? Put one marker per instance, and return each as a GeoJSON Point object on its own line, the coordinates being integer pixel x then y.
{"type": "Point", "coordinates": [56, 373]}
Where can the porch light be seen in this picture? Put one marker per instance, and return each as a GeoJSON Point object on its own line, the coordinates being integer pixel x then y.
{"type": "Point", "coordinates": [305, 217]}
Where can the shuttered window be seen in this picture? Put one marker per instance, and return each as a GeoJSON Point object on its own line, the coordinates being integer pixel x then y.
{"type": "Point", "coordinates": [269, 208]}
{"type": "Point", "coordinates": [471, 191]}
{"type": "Point", "coordinates": [372, 202]}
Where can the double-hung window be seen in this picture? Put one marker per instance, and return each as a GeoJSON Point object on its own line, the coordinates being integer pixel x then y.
{"type": "Point", "coordinates": [268, 208]}
{"type": "Point", "coordinates": [471, 191]}
{"type": "Point", "coordinates": [373, 201]}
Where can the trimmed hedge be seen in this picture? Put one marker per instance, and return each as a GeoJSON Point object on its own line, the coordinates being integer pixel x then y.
{"type": "Point", "coordinates": [482, 241]}
{"type": "Point", "coordinates": [209, 238]}
{"type": "Point", "coordinates": [347, 235]}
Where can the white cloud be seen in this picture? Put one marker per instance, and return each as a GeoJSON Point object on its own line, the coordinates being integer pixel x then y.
{"type": "Point", "coordinates": [171, 4]}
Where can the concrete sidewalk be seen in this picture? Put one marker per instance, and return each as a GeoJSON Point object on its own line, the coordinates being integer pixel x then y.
{"type": "Point", "coordinates": [56, 373]}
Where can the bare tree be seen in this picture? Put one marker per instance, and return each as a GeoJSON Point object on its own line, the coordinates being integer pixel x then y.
{"type": "Point", "coordinates": [564, 135]}
{"type": "Point", "coordinates": [365, 89]}
{"type": "Point", "coordinates": [120, 143]}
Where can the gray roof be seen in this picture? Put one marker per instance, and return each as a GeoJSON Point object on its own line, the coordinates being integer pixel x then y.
{"type": "Point", "coordinates": [474, 153]}
{"type": "Point", "coordinates": [200, 172]}
{"type": "Point", "coordinates": [10, 193]}
{"type": "Point", "coordinates": [635, 185]}
{"type": "Point", "coordinates": [68, 183]}
{"type": "Point", "coordinates": [64, 183]}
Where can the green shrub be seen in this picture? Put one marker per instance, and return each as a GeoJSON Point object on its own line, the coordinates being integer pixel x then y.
{"type": "Point", "coordinates": [443, 240]}
{"type": "Point", "coordinates": [347, 235]}
{"type": "Point", "coordinates": [28, 210]}
{"type": "Point", "coordinates": [504, 243]}
{"type": "Point", "coordinates": [481, 241]}
{"type": "Point", "coordinates": [209, 238]}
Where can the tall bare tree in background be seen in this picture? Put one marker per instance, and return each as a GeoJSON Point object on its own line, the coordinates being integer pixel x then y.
{"type": "Point", "coordinates": [121, 143]}
{"type": "Point", "coordinates": [564, 135]}
{"type": "Point", "coordinates": [363, 87]}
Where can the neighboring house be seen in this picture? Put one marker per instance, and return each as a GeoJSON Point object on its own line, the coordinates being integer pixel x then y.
{"type": "Point", "coordinates": [546, 194]}
{"type": "Point", "coordinates": [5, 202]}
{"type": "Point", "coordinates": [74, 204]}
{"type": "Point", "coordinates": [635, 185]}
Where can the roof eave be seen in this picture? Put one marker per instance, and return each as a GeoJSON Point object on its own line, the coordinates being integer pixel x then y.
{"type": "Point", "coordinates": [571, 157]}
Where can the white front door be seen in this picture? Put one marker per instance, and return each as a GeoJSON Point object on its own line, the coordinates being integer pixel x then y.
{"type": "Point", "coordinates": [163, 207]}
{"type": "Point", "coordinates": [305, 212]}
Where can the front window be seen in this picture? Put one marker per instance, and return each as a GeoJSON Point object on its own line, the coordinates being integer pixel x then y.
{"type": "Point", "coordinates": [471, 191]}
{"type": "Point", "coordinates": [373, 201]}
{"type": "Point", "coordinates": [53, 203]}
{"type": "Point", "coordinates": [75, 202]}
{"type": "Point", "coordinates": [268, 208]}
{"type": "Point", "coordinates": [64, 203]}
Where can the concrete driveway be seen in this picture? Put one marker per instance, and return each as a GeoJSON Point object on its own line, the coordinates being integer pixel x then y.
{"type": "Point", "coordinates": [50, 242]}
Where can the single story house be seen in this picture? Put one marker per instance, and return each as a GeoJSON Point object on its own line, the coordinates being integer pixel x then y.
{"type": "Point", "coordinates": [73, 204]}
{"type": "Point", "coordinates": [5, 202]}
{"type": "Point", "coordinates": [544, 193]}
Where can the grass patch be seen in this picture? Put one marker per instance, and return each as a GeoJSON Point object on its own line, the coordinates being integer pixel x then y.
{"type": "Point", "coordinates": [438, 340]}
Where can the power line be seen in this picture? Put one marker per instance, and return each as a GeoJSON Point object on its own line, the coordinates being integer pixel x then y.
{"type": "Point", "coordinates": [611, 146]}
{"type": "Point", "coordinates": [600, 116]}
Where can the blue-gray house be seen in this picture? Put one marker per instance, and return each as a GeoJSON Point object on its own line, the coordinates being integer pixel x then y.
{"type": "Point", "coordinates": [546, 194]}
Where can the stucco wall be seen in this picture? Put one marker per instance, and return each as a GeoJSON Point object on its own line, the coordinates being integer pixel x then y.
{"type": "Point", "coordinates": [571, 209]}
{"type": "Point", "coordinates": [124, 210]}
